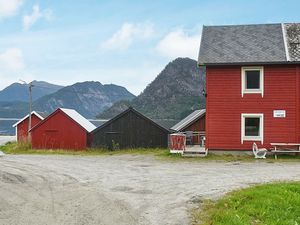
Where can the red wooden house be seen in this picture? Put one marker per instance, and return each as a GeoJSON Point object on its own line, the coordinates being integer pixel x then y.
{"type": "Point", "coordinates": [252, 85]}
{"type": "Point", "coordinates": [22, 125]}
{"type": "Point", "coordinates": [63, 129]}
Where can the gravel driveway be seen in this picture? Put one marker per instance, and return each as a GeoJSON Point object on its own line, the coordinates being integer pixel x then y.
{"type": "Point", "coordinates": [119, 189]}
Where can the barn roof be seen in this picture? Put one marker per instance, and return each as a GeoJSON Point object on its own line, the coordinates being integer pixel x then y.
{"type": "Point", "coordinates": [75, 116]}
{"type": "Point", "coordinates": [40, 115]}
{"type": "Point", "coordinates": [188, 120]}
{"type": "Point", "coordinates": [79, 119]}
{"type": "Point", "coordinates": [250, 44]}
{"type": "Point", "coordinates": [136, 112]}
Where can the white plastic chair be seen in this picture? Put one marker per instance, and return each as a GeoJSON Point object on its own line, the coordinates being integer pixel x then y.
{"type": "Point", "coordinates": [259, 153]}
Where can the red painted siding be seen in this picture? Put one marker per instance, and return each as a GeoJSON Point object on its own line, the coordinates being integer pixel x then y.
{"type": "Point", "coordinates": [225, 105]}
{"type": "Point", "coordinates": [22, 128]}
{"type": "Point", "coordinates": [58, 131]}
{"type": "Point", "coordinates": [198, 125]}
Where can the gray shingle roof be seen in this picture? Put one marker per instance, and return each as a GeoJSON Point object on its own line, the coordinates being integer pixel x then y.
{"type": "Point", "coordinates": [260, 43]}
{"type": "Point", "coordinates": [188, 120]}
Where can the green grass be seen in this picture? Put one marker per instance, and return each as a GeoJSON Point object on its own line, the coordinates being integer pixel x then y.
{"type": "Point", "coordinates": [267, 204]}
{"type": "Point", "coordinates": [23, 148]}
{"type": "Point", "coordinates": [163, 154]}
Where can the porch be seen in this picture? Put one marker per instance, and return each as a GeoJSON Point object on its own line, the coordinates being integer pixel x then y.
{"type": "Point", "coordinates": [188, 144]}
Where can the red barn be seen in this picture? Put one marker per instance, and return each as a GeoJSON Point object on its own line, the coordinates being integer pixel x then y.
{"type": "Point", "coordinates": [63, 129]}
{"type": "Point", "coordinates": [252, 85]}
{"type": "Point", "coordinates": [22, 125]}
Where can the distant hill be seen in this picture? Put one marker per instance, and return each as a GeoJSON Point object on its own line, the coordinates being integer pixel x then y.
{"type": "Point", "coordinates": [174, 93]}
{"type": "Point", "coordinates": [88, 98]}
{"type": "Point", "coordinates": [19, 92]}
{"type": "Point", "coordinates": [15, 109]}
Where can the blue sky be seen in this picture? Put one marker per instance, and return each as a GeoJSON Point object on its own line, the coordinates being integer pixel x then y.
{"type": "Point", "coordinates": [122, 42]}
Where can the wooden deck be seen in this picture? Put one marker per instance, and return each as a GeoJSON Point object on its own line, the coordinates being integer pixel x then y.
{"type": "Point", "coordinates": [179, 144]}
{"type": "Point", "coordinates": [194, 151]}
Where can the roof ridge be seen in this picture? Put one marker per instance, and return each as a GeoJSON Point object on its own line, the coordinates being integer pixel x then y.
{"type": "Point", "coordinates": [241, 25]}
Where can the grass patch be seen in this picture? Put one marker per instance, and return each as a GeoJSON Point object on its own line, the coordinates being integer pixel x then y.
{"type": "Point", "coordinates": [276, 203]}
{"type": "Point", "coordinates": [162, 154]}
{"type": "Point", "coordinates": [24, 148]}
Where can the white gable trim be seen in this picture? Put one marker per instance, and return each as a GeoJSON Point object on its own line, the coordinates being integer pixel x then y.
{"type": "Point", "coordinates": [25, 117]}
{"type": "Point", "coordinates": [287, 55]}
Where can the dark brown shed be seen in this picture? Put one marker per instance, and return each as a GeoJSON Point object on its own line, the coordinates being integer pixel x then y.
{"type": "Point", "coordinates": [130, 129]}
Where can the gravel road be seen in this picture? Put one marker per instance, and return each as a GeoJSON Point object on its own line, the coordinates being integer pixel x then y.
{"type": "Point", "coordinates": [119, 190]}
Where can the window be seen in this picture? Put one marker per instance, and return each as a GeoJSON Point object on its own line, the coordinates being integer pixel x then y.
{"type": "Point", "coordinates": [252, 127]}
{"type": "Point", "coordinates": [252, 80]}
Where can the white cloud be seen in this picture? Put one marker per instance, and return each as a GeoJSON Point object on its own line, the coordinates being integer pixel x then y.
{"type": "Point", "coordinates": [30, 20]}
{"type": "Point", "coordinates": [128, 33]}
{"type": "Point", "coordinates": [179, 44]}
{"type": "Point", "coordinates": [12, 60]}
{"type": "Point", "coordinates": [12, 67]}
{"type": "Point", "coordinates": [9, 7]}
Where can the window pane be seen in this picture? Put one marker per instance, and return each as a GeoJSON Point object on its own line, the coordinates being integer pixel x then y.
{"type": "Point", "coordinates": [253, 79]}
{"type": "Point", "coordinates": [252, 126]}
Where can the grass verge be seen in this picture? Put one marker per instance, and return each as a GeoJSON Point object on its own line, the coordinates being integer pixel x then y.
{"type": "Point", "coordinates": [266, 204]}
{"type": "Point", "coordinates": [23, 148]}
{"type": "Point", "coordinates": [163, 154]}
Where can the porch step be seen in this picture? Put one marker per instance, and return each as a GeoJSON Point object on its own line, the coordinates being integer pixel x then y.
{"type": "Point", "coordinates": [194, 154]}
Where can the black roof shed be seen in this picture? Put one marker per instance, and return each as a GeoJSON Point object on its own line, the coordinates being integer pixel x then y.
{"type": "Point", "coordinates": [130, 129]}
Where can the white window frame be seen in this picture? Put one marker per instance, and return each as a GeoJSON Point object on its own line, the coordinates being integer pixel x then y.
{"type": "Point", "coordinates": [261, 127]}
{"type": "Point", "coordinates": [243, 79]}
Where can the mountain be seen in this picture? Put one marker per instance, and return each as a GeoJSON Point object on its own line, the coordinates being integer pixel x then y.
{"type": "Point", "coordinates": [88, 98]}
{"type": "Point", "coordinates": [174, 93]}
{"type": "Point", "coordinates": [13, 109]}
{"type": "Point", "coordinates": [19, 92]}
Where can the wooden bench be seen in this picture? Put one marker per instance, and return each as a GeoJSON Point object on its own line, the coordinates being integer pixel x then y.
{"type": "Point", "coordinates": [279, 148]}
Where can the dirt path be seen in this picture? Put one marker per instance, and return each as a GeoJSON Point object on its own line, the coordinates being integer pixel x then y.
{"type": "Point", "coordinates": [119, 189]}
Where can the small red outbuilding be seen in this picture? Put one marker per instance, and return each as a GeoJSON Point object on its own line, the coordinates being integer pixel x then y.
{"type": "Point", "coordinates": [195, 123]}
{"type": "Point", "coordinates": [63, 129]}
{"type": "Point", "coordinates": [22, 125]}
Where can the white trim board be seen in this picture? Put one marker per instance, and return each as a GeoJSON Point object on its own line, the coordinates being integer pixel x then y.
{"type": "Point", "coordinates": [287, 55]}
{"type": "Point", "coordinates": [243, 80]}
{"type": "Point", "coordinates": [261, 127]}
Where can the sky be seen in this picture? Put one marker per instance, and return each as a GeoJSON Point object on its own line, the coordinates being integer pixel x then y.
{"type": "Point", "coordinates": [125, 42]}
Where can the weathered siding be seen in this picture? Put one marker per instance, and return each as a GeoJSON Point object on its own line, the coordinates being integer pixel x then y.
{"type": "Point", "coordinates": [130, 131]}
{"type": "Point", "coordinates": [22, 128]}
{"type": "Point", "coordinates": [58, 131]}
{"type": "Point", "coordinates": [225, 105]}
